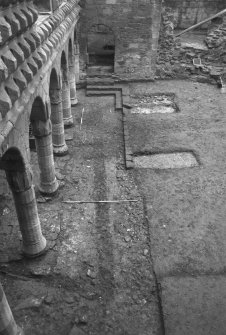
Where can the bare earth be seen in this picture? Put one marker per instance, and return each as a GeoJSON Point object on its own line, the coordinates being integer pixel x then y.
{"type": "Point", "coordinates": [154, 266]}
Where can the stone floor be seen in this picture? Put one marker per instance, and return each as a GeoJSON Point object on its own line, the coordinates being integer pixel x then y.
{"type": "Point", "coordinates": [154, 265]}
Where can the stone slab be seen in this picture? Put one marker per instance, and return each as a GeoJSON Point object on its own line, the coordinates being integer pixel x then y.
{"type": "Point", "coordinates": [166, 161]}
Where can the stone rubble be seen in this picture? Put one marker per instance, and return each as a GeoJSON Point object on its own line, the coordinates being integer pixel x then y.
{"type": "Point", "coordinates": [175, 58]}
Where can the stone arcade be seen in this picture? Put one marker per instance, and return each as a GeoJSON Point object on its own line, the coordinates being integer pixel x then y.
{"type": "Point", "coordinates": [37, 86]}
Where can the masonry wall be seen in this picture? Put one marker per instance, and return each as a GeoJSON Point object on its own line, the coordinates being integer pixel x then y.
{"type": "Point", "coordinates": [189, 12]}
{"type": "Point", "coordinates": [29, 50]}
{"type": "Point", "coordinates": [135, 24]}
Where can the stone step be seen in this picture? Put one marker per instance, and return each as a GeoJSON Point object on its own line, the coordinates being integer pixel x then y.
{"type": "Point", "coordinates": [122, 93]}
{"type": "Point", "coordinates": [117, 94]}
{"type": "Point", "coordinates": [100, 81]}
{"type": "Point", "coordinates": [99, 71]}
{"type": "Point", "coordinates": [125, 90]}
{"type": "Point", "coordinates": [103, 88]}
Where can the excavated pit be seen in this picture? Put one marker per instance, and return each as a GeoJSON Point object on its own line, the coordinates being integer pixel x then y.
{"type": "Point", "coordinates": [153, 104]}
{"type": "Point", "coordinates": [176, 160]}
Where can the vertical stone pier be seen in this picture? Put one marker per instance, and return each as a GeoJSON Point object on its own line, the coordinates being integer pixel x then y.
{"type": "Point", "coordinates": [60, 147]}
{"type": "Point", "coordinates": [8, 325]}
{"type": "Point", "coordinates": [23, 192]}
{"type": "Point", "coordinates": [42, 131]}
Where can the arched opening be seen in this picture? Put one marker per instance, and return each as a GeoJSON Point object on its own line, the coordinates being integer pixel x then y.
{"type": "Point", "coordinates": [59, 145]}
{"type": "Point", "coordinates": [101, 48]}
{"type": "Point", "coordinates": [70, 52]}
{"type": "Point", "coordinates": [12, 160]}
{"type": "Point", "coordinates": [37, 112]}
{"type": "Point", "coordinates": [66, 94]}
{"type": "Point", "coordinates": [54, 82]}
{"type": "Point", "coordinates": [19, 178]}
{"type": "Point", "coordinates": [42, 131]}
{"type": "Point", "coordinates": [76, 41]}
{"type": "Point", "coordinates": [75, 36]}
{"type": "Point", "coordinates": [64, 66]}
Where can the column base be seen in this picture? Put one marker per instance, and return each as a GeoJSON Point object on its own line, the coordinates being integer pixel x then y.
{"type": "Point", "coordinates": [74, 102]}
{"type": "Point", "coordinates": [69, 122]}
{"type": "Point", "coordinates": [35, 250]}
{"type": "Point", "coordinates": [61, 150]}
{"type": "Point", "coordinates": [49, 189]}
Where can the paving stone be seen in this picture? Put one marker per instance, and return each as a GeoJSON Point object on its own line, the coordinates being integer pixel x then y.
{"type": "Point", "coordinates": [166, 161]}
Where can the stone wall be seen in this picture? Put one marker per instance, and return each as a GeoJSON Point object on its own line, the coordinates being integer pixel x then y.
{"type": "Point", "coordinates": [135, 26]}
{"type": "Point", "coordinates": [217, 36]}
{"type": "Point", "coordinates": [189, 12]}
{"type": "Point", "coordinates": [176, 57]}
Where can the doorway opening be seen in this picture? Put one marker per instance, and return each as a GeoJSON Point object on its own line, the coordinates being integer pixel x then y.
{"type": "Point", "coordinates": [100, 49]}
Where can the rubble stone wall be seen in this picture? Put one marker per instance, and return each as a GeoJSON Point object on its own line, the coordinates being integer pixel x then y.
{"type": "Point", "coordinates": [189, 12]}
{"type": "Point", "coordinates": [135, 25]}
{"type": "Point", "coordinates": [175, 58]}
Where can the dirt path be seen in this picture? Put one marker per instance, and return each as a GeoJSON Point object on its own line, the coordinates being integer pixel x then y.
{"type": "Point", "coordinates": [98, 276]}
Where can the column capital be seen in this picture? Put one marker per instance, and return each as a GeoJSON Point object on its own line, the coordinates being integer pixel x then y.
{"type": "Point", "coordinates": [55, 96]}
{"type": "Point", "coordinates": [19, 181]}
{"type": "Point", "coordinates": [41, 128]}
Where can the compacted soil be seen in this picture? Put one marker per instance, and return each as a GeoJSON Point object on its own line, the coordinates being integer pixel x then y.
{"type": "Point", "coordinates": [150, 261]}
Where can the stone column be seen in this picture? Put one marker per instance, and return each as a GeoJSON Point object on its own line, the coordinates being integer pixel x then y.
{"type": "Point", "coordinates": [72, 83]}
{"type": "Point", "coordinates": [66, 99]}
{"type": "Point", "coordinates": [76, 55]}
{"type": "Point", "coordinates": [23, 192]}
{"type": "Point", "coordinates": [59, 145]}
{"type": "Point", "coordinates": [8, 325]}
{"type": "Point", "coordinates": [42, 131]}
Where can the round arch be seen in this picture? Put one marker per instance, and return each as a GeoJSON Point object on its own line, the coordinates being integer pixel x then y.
{"type": "Point", "coordinates": [75, 35]}
{"type": "Point", "coordinates": [12, 160]}
{"type": "Point", "coordinates": [54, 82]}
{"type": "Point", "coordinates": [38, 110]}
{"type": "Point", "coordinates": [59, 145]}
{"type": "Point", "coordinates": [70, 53]}
{"type": "Point", "coordinates": [70, 50]}
{"type": "Point", "coordinates": [64, 66]}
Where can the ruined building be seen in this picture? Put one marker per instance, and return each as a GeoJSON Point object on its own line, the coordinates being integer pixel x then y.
{"type": "Point", "coordinates": [47, 50]}
{"type": "Point", "coordinates": [121, 34]}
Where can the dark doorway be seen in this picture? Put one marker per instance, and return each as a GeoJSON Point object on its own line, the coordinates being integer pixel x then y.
{"type": "Point", "coordinates": [101, 48]}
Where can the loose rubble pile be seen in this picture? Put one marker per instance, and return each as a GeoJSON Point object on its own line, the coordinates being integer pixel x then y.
{"type": "Point", "coordinates": [217, 37]}
{"type": "Point", "coordinates": [178, 60]}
